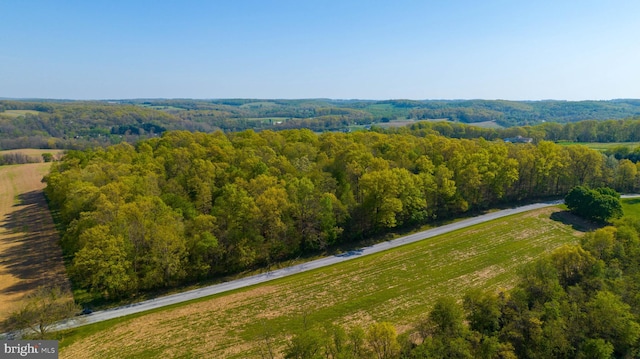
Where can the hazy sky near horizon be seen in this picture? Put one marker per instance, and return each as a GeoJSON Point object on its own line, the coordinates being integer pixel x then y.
{"type": "Point", "coordinates": [401, 49]}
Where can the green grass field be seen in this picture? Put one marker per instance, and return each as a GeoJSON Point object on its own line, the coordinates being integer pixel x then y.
{"type": "Point", "coordinates": [166, 108]}
{"type": "Point", "coordinates": [631, 207]}
{"type": "Point", "coordinates": [265, 104]}
{"type": "Point", "coordinates": [398, 286]}
{"type": "Point", "coordinates": [18, 113]}
{"type": "Point", "coordinates": [486, 124]}
{"type": "Point", "coordinates": [266, 119]}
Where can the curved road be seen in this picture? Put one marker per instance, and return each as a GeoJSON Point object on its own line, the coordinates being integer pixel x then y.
{"type": "Point", "coordinates": [284, 272]}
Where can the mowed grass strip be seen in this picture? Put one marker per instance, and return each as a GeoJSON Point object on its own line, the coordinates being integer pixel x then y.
{"type": "Point", "coordinates": [398, 285]}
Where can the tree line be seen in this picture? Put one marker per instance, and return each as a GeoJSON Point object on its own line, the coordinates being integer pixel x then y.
{"type": "Point", "coordinates": [190, 206]}
{"type": "Point", "coordinates": [16, 158]}
{"type": "Point", "coordinates": [79, 124]}
{"type": "Point", "coordinates": [506, 113]}
{"type": "Point", "coordinates": [522, 113]}
{"type": "Point", "coordinates": [580, 301]}
{"type": "Point", "coordinates": [624, 130]}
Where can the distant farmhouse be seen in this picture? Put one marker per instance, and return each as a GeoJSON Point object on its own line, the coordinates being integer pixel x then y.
{"type": "Point", "coordinates": [519, 139]}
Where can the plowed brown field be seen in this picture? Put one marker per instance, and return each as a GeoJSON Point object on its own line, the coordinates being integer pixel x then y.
{"type": "Point", "coordinates": [29, 252]}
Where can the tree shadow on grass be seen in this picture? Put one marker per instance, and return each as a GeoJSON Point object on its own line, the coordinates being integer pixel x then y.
{"type": "Point", "coordinates": [576, 222]}
{"type": "Point", "coordinates": [33, 255]}
{"type": "Point", "coordinates": [632, 201]}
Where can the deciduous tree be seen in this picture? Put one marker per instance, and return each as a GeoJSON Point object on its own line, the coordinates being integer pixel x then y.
{"type": "Point", "coordinates": [42, 309]}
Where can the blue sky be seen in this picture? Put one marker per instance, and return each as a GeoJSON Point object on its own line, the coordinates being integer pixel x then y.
{"type": "Point", "coordinates": [401, 49]}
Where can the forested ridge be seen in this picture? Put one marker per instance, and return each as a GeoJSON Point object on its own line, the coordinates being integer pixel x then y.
{"type": "Point", "coordinates": [190, 206]}
{"type": "Point", "coordinates": [83, 124]}
{"type": "Point", "coordinates": [506, 113]}
{"type": "Point", "coordinates": [78, 124]}
{"type": "Point", "coordinates": [608, 131]}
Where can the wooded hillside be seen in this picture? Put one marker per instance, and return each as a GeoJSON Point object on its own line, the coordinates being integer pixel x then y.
{"type": "Point", "coordinates": [82, 124]}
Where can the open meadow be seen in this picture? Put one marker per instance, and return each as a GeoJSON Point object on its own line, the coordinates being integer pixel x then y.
{"type": "Point", "coordinates": [18, 113]}
{"type": "Point", "coordinates": [631, 207]}
{"type": "Point", "coordinates": [29, 252]}
{"type": "Point", "coordinates": [398, 286]}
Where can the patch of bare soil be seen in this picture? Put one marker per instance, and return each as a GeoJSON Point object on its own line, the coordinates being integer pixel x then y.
{"type": "Point", "coordinates": [29, 252]}
{"type": "Point", "coordinates": [546, 211]}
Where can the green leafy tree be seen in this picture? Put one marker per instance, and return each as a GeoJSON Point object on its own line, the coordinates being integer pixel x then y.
{"type": "Point", "coordinates": [483, 312]}
{"type": "Point", "coordinates": [382, 339]}
{"type": "Point", "coordinates": [306, 345]}
{"type": "Point", "coordinates": [236, 214]}
{"type": "Point", "coordinates": [600, 204]}
{"type": "Point", "coordinates": [447, 317]}
{"type": "Point", "coordinates": [155, 241]}
{"type": "Point", "coordinates": [626, 176]}
{"type": "Point", "coordinates": [443, 332]}
{"type": "Point", "coordinates": [356, 347]}
{"type": "Point", "coordinates": [596, 349]}
{"type": "Point", "coordinates": [42, 309]}
{"type": "Point", "coordinates": [572, 263]}
{"type": "Point", "coordinates": [584, 165]}
{"type": "Point", "coordinates": [609, 318]}
{"type": "Point", "coordinates": [392, 197]}
{"type": "Point", "coordinates": [202, 246]}
{"type": "Point", "coordinates": [102, 265]}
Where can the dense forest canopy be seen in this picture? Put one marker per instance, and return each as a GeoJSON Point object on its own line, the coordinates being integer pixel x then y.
{"type": "Point", "coordinates": [188, 206]}
{"type": "Point", "coordinates": [82, 124]}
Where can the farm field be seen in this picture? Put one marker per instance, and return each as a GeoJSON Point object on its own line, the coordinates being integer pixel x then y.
{"type": "Point", "coordinates": [397, 286]}
{"type": "Point", "coordinates": [407, 122]}
{"type": "Point", "coordinates": [631, 207]}
{"type": "Point", "coordinates": [34, 153]}
{"type": "Point", "coordinates": [18, 113]}
{"type": "Point", "coordinates": [29, 253]}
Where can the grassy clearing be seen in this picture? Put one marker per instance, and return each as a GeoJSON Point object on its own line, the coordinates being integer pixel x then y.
{"type": "Point", "coordinates": [395, 123]}
{"type": "Point", "coordinates": [631, 207]}
{"type": "Point", "coordinates": [272, 120]}
{"type": "Point", "coordinates": [18, 113]}
{"type": "Point", "coordinates": [486, 124]}
{"type": "Point", "coordinates": [166, 108]}
{"type": "Point", "coordinates": [259, 104]}
{"type": "Point", "coordinates": [397, 286]}
{"type": "Point", "coordinates": [29, 252]}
